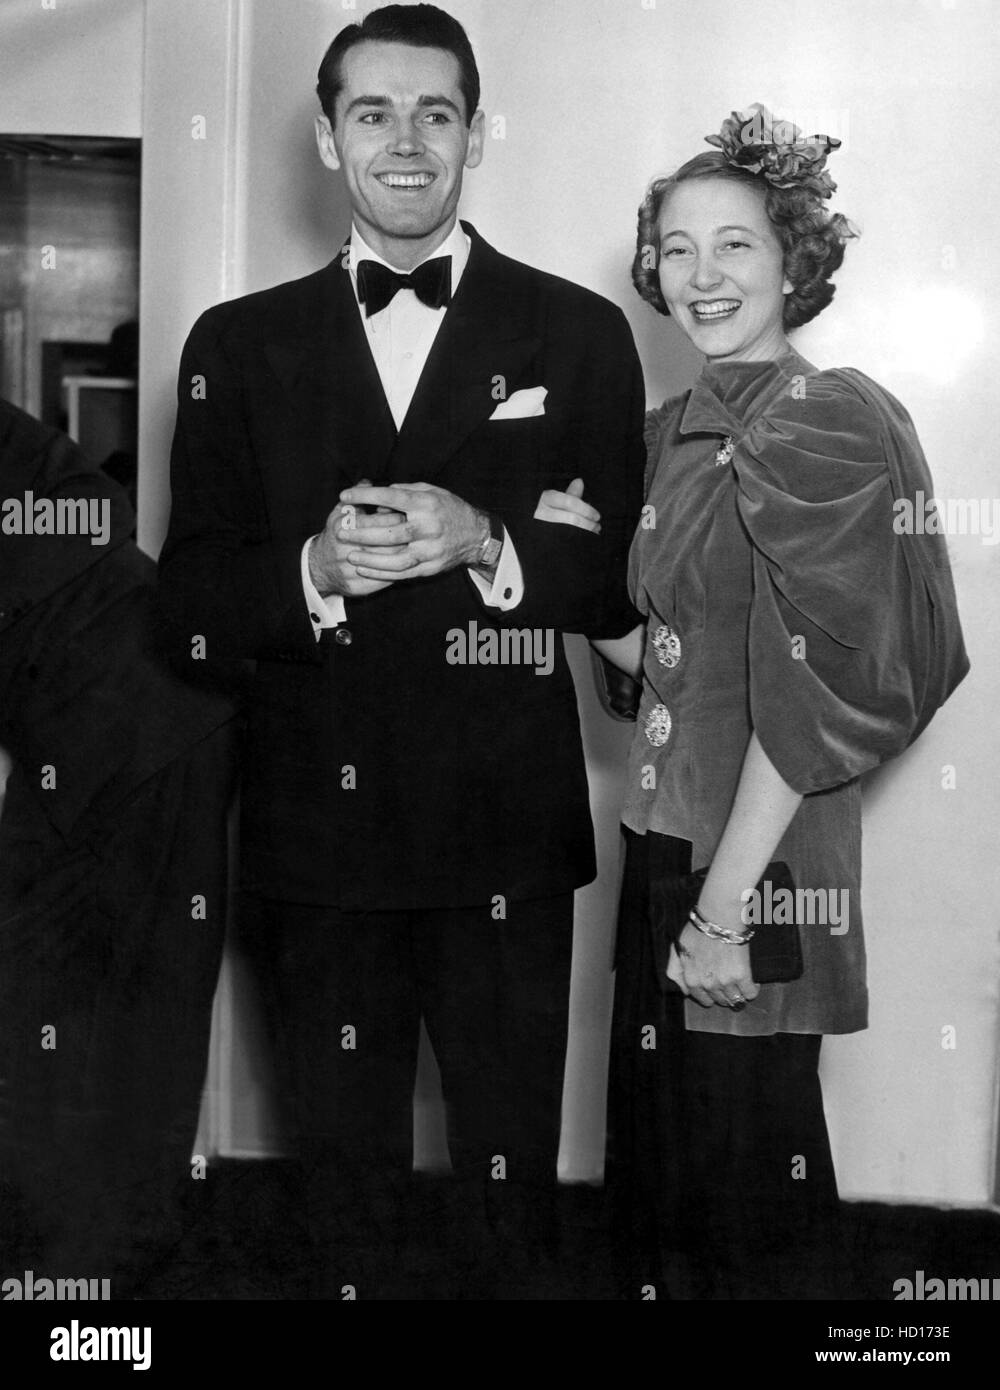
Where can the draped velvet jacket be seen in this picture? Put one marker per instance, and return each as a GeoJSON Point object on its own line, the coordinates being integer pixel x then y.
{"type": "Point", "coordinates": [780, 598]}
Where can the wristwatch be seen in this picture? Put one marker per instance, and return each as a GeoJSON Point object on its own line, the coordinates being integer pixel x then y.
{"type": "Point", "coordinates": [489, 556]}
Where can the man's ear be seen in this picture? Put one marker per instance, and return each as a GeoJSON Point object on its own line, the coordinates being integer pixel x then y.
{"type": "Point", "coordinates": [477, 138]}
{"type": "Point", "coordinates": [325, 143]}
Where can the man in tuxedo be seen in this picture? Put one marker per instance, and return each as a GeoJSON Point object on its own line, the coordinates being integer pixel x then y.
{"type": "Point", "coordinates": [357, 465]}
{"type": "Point", "coordinates": [112, 879]}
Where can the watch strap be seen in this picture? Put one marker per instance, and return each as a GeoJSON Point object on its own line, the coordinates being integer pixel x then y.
{"type": "Point", "coordinates": [493, 544]}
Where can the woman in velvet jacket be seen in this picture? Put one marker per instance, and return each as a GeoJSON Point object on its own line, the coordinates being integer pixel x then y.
{"type": "Point", "coordinates": [794, 636]}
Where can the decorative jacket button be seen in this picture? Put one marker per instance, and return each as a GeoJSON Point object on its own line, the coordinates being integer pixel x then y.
{"type": "Point", "coordinates": [667, 646]}
{"type": "Point", "coordinates": [658, 725]}
{"type": "Point", "coordinates": [344, 636]}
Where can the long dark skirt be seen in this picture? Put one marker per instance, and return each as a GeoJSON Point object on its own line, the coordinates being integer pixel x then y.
{"type": "Point", "coordinates": [720, 1171]}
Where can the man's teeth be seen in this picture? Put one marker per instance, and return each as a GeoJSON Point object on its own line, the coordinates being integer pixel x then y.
{"type": "Point", "coordinates": [717, 309]}
{"type": "Point", "coordinates": [406, 180]}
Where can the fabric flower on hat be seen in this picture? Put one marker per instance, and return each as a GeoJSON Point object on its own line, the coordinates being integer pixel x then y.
{"type": "Point", "coordinates": [753, 140]}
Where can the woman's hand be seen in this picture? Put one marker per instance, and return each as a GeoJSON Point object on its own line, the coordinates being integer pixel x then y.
{"type": "Point", "coordinates": [715, 972]}
{"type": "Point", "coordinates": [762, 809]}
{"type": "Point", "coordinates": [568, 508]}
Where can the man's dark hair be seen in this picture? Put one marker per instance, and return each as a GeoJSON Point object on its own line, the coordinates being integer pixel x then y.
{"type": "Point", "coordinates": [423, 26]}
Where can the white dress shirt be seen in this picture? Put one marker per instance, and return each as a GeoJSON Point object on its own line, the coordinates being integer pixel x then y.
{"type": "Point", "coordinates": [400, 337]}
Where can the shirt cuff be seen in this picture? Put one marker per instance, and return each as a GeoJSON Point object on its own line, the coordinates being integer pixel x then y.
{"type": "Point", "coordinates": [507, 589]}
{"type": "Point", "coordinates": [323, 612]}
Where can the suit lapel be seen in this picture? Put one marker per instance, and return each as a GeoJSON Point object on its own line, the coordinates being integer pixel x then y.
{"type": "Point", "coordinates": [485, 335]}
{"type": "Point", "coordinates": [333, 403]}
{"type": "Point", "coordinates": [332, 425]}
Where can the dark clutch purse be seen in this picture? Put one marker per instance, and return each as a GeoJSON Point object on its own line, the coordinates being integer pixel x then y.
{"type": "Point", "coordinates": [775, 948]}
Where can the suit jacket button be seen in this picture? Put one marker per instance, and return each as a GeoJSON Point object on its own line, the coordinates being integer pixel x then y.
{"type": "Point", "coordinates": [344, 636]}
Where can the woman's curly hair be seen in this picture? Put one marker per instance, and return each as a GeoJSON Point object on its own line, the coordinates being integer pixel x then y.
{"type": "Point", "coordinates": [812, 238]}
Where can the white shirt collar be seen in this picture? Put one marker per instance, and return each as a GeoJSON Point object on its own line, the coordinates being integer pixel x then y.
{"type": "Point", "coordinates": [456, 245]}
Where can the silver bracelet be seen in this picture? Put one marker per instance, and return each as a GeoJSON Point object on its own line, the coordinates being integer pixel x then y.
{"type": "Point", "coordinates": [717, 933]}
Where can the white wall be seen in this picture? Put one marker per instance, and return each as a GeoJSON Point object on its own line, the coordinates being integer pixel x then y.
{"type": "Point", "coordinates": [193, 222]}
{"type": "Point", "coordinates": [71, 67]}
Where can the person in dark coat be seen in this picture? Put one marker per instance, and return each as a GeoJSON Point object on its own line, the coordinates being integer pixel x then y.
{"type": "Point", "coordinates": [112, 874]}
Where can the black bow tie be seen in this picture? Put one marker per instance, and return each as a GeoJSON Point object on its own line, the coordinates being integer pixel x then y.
{"type": "Point", "coordinates": [430, 282]}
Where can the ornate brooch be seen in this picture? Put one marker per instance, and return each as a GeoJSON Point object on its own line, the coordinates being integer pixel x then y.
{"type": "Point", "coordinates": [725, 451]}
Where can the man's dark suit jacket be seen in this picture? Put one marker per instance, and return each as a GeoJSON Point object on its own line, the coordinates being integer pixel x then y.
{"type": "Point", "coordinates": [83, 687]}
{"type": "Point", "coordinates": [377, 774]}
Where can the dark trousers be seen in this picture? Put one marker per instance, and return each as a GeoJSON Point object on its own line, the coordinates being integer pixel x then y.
{"type": "Point", "coordinates": [721, 1176]}
{"type": "Point", "coordinates": [107, 978]}
{"type": "Point", "coordinates": [344, 994]}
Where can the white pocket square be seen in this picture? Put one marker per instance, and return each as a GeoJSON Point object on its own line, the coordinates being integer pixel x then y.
{"type": "Point", "coordinates": [522, 404]}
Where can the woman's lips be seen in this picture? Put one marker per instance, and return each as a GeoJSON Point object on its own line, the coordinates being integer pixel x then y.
{"type": "Point", "coordinates": [713, 310]}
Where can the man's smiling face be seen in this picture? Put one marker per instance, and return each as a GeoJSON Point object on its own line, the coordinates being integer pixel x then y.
{"type": "Point", "coordinates": [402, 141]}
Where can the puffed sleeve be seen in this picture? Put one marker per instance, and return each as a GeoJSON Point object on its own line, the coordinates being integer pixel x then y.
{"type": "Point", "coordinates": [853, 637]}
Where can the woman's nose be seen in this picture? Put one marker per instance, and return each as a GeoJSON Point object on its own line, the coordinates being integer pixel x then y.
{"type": "Point", "coordinates": [706, 273]}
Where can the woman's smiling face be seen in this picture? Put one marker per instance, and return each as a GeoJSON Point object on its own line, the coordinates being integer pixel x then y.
{"type": "Point", "coordinates": [721, 269]}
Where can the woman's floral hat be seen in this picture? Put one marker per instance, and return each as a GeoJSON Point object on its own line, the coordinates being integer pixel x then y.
{"type": "Point", "coordinates": [753, 140]}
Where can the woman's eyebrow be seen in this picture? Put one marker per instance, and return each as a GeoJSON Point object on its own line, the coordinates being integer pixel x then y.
{"type": "Point", "coordinates": [729, 227]}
